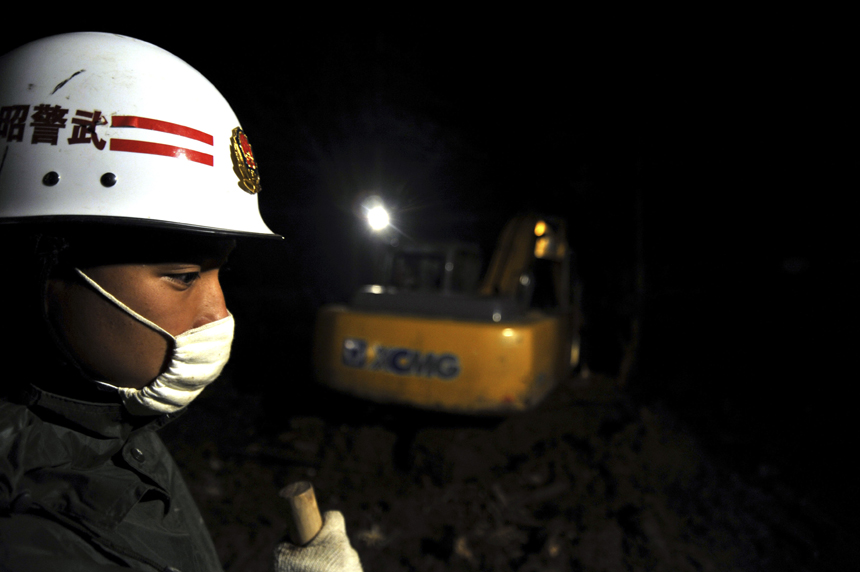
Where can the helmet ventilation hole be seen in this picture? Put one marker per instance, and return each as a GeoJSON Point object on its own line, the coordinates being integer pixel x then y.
{"type": "Point", "coordinates": [108, 180]}
{"type": "Point", "coordinates": [51, 178]}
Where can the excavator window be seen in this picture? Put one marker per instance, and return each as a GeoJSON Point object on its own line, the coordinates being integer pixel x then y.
{"type": "Point", "coordinates": [417, 271]}
{"type": "Point", "coordinates": [442, 269]}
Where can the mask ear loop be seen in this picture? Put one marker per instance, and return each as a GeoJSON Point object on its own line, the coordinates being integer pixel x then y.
{"type": "Point", "coordinates": [123, 307]}
{"type": "Point", "coordinates": [110, 297]}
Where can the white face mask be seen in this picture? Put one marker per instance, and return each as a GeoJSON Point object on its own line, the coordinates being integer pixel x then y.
{"type": "Point", "coordinates": [198, 357]}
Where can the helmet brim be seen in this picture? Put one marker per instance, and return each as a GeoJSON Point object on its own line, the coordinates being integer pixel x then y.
{"type": "Point", "coordinates": [65, 223]}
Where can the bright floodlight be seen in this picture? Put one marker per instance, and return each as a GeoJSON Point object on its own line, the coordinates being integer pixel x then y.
{"type": "Point", "coordinates": [377, 218]}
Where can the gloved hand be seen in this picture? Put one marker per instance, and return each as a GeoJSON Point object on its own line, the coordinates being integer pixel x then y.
{"type": "Point", "coordinates": [329, 551]}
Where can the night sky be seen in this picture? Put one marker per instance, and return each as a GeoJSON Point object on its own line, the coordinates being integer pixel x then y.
{"type": "Point", "coordinates": [727, 147]}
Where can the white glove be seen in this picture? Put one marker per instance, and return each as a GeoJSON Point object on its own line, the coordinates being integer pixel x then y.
{"type": "Point", "coordinates": [329, 551]}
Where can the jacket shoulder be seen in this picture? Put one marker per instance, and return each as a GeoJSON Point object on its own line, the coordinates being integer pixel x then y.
{"type": "Point", "coordinates": [26, 444]}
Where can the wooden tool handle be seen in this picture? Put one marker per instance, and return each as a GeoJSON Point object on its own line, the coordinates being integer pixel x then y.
{"type": "Point", "coordinates": [304, 521]}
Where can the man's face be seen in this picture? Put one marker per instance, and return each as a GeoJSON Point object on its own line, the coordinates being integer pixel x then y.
{"type": "Point", "coordinates": [114, 347]}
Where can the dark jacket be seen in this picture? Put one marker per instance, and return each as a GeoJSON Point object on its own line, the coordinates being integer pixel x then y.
{"type": "Point", "coordinates": [85, 486]}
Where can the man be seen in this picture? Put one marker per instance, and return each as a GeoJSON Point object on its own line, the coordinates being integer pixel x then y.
{"type": "Point", "coordinates": [125, 182]}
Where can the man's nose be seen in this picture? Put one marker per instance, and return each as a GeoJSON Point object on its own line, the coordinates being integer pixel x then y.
{"type": "Point", "coordinates": [213, 306]}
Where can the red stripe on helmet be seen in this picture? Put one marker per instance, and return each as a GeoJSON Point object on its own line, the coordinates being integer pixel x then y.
{"type": "Point", "coordinates": [133, 146]}
{"type": "Point", "coordinates": [158, 125]}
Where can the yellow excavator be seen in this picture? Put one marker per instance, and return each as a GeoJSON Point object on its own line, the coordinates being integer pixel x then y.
{"type": "Point", "coordinates": [433, 335]}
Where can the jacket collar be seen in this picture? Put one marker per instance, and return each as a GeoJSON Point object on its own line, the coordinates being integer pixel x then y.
{"type": "Point", "coordinates": [106, 419]}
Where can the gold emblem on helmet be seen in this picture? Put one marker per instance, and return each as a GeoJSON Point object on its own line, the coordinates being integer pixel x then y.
{"type": "Point", "coordinates": [244, 164]}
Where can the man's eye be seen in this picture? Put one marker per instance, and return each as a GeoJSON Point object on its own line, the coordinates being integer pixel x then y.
{"type": "Point", "coordinates": [186, 278]}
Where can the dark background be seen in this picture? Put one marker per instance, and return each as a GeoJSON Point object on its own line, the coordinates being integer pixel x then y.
{"type": "Point", "coordinates": [714, 157]}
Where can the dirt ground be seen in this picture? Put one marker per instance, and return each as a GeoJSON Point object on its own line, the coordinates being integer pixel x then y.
{"type": "Point", "coordinates": [588, 481]}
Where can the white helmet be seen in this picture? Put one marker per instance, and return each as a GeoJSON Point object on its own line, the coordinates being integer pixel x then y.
{"type": "Point", "coordinates": [103, 128]}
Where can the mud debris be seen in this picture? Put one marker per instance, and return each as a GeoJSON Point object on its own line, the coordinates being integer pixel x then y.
{"type": "Point", "coordinates": [588, 481]}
